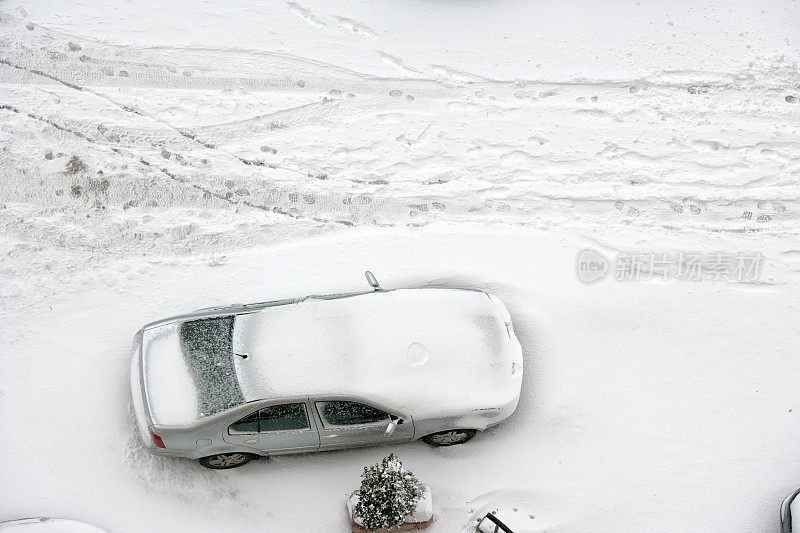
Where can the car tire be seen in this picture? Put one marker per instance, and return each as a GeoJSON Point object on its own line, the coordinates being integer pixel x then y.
{"type": "Point", "coordinates": [450, 437]}
{"type": "Point", "coordinates": [223, 461]}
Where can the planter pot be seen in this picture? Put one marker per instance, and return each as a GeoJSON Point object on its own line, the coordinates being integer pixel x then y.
{"type": "Point", "coordinates": [408, 526]}
{"type": "Point", "coordinates": [421, 518]}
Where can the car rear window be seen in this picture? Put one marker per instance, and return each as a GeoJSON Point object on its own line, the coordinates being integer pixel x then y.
{"type": "Point", "coordinates": [207, 346]}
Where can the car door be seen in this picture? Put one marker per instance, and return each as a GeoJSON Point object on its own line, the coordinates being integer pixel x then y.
{"type": "Point", "coordinates": [277, 429]}
{"type": "Point", "coordinates": [346, 423]}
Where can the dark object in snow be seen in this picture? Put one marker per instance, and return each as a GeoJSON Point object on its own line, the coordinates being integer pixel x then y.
{"type": "Point", "coordinates": [498, 524]}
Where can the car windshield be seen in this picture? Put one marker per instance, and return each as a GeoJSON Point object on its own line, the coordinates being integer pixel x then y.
{"type": "Point", "coordinates": [207, 346]}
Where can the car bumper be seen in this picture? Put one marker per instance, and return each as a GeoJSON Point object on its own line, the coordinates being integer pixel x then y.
{"type": "Point", "coordinates": [137, 393]}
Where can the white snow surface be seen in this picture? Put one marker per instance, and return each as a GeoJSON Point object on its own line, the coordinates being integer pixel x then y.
{"type": "Point", "coordinates": [424, 352]}
{"type": "Point", "coordinates": [263, 150]}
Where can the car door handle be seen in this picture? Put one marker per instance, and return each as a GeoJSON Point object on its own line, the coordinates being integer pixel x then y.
{"type": "Point", "coordinates": [330, 436]}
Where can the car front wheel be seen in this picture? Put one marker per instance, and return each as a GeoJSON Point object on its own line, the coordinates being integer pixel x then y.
{"type": "Point", "coordinates": [449, 438]}
{"type": "Point", "coordinates": [221, 461]}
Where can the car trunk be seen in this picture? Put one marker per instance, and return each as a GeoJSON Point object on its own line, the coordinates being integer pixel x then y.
{"type": "Point", "coordinates": [187, 369]}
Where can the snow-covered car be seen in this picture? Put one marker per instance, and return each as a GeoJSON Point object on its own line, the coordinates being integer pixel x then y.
{"type": "Point", "coordinates": [47, 525]}
{"type": "Point", "coordinates": [225, 385]}
{"type": "Point", "coordinates": [789, 505]}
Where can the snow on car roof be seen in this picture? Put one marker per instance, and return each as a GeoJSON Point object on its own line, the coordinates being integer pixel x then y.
{"type": "Point", "coordinates": [422, 351]}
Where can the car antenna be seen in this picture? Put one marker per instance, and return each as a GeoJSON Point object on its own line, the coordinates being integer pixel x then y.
{"type": "Point", "coordinates": [372, 281]}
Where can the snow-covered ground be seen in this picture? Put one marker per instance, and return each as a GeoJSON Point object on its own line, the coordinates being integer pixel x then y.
{"type": "Point", "coordinates": [159, 157]}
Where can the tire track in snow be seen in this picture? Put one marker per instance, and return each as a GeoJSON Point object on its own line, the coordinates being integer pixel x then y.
{"type": "Point", "coordinates": [85, 66]}
{"type": "Point", "coordinates": [108, 71]}
{"type": "Point", "coordinates": [346, 210]}
{"type": "Point", "coordinates": [93, 64]}
{"type": "Point", "coordinates": [295, 203]}
{"type": "Point", "coordinates": [190, 135]}
{"type": "Point", "coordinates": [207, 192]}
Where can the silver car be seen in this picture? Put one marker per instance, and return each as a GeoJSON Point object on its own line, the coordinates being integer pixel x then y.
{"type": "Point", "coordinates": [786, 512]}
{"type": "Point", "coordinates": [47, 525]}
{"type": "Point", "coordinates": [226, 385]}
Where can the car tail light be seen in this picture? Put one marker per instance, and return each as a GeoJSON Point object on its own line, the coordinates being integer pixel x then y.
{"type": "Point", "coordinates": [156, 439]}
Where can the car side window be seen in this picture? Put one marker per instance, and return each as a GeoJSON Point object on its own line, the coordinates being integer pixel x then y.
{"type": "Point", "coordinates": [248, 424]}
{"type": "Point", "coordinates": [283, 417]}
{"type": "Point", "coordinates": [273, 418]}
{"type": "Point", "coordinates": [343, 413]}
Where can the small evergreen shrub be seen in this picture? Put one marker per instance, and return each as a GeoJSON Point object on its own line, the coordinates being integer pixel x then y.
{"type": "Point", "coordinates": [388, 494]}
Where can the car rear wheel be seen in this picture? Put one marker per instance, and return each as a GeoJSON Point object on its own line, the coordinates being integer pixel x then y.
{"type": "Point", "coordinates": [221, 461]}
{"type": "Point", "coordinates": [449, 438]}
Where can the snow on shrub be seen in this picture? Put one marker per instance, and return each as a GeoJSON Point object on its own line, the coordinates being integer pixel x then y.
{"type": "Point", "coordinates": [388, 494]}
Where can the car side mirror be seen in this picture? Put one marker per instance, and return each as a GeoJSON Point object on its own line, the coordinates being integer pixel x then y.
{"type": "Point", "coordinates": [373, 282]}
{"type": "Point", "coordinates": [392, 426]}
